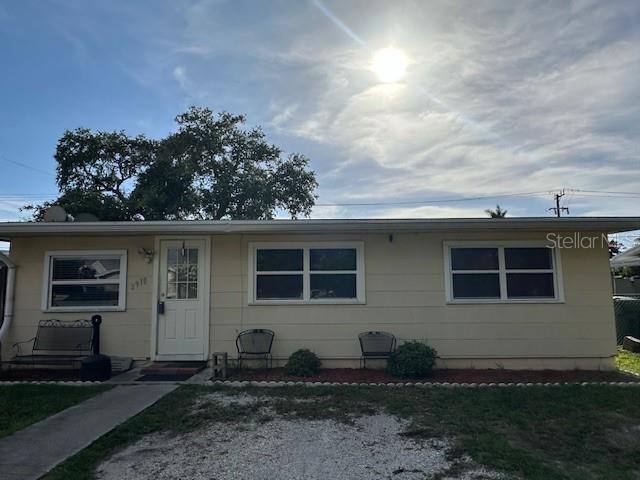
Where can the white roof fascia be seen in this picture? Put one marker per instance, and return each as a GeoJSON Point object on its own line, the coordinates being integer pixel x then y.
{"type": "Point", "coordinates": [539, 224]}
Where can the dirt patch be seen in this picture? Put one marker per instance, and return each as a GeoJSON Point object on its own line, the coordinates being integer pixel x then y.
{"type": "Point", "coordinates": [353, 375]}
{"type": "Point", "coordinates": [371, 448]}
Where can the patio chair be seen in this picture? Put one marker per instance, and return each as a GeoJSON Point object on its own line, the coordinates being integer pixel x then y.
{"type": "Point", "coordinates": [255, 343]}
{"type": "Point", "coordinates": [376, 345]}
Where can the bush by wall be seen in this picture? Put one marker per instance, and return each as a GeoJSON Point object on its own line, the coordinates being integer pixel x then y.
{"type": "Point", "coordinates": [303, 363]}
{"type": "Point", "coordinates": [412, 360]}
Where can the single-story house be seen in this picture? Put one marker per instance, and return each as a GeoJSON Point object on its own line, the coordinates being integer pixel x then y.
{"type": "Point", "coordinates": [486, 293]}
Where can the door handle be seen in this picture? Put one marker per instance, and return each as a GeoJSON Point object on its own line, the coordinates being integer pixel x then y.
{"type": "Point", "coordinates": [160, 308]}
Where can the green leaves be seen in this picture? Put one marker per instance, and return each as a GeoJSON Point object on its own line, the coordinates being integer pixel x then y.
{"type": "Point", "coordinates": [211, 168]}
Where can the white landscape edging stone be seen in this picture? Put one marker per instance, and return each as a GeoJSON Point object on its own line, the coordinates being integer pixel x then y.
{"type": "Point", "coordinates": [283, 383]}
{"type": "Point", "coordinates": [289, 383]}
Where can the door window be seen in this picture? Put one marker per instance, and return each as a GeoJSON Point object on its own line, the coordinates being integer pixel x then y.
{"type": "Point", "coordinates": [182, 273]}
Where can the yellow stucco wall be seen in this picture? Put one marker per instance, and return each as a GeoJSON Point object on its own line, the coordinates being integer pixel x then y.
{"type": "Point", "coordinates": [404, 295]}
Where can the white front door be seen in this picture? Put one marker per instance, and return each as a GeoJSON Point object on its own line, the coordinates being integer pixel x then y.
{"type": "Point", "coordinates": [182, 306]}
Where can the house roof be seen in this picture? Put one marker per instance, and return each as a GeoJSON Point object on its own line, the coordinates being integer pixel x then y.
{"type": "Point", "coordinates": [540, 224]}
{"type": "Point", "coordinates": [628, 258]}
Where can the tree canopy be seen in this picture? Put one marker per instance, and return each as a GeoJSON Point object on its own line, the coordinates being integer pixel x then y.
{"type": "Point", "coordinates": [497, 213]}
{"type": "Point", "coordinates": [212, 167]}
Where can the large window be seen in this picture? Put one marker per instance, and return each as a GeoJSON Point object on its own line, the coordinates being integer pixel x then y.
{"type": "Point", "coordinates": [85, 281]}
{"type": "Point", "coordinates": [306, 273]}
{"type": "Point", "coordinates": [510, 272]}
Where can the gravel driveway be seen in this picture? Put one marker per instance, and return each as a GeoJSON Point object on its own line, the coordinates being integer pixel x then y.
{"type": "Point", "coordinates": [283, 449]}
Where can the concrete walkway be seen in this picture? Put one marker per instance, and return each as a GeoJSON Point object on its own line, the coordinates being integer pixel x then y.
{"type": "Point", "coordinates": [35, 450]}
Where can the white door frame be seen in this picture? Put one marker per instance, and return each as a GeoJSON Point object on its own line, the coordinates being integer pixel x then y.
{"type": "Point", "coordinates": [205, 300]}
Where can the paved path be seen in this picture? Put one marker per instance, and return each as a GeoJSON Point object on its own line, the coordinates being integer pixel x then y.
{"type": "Point", "coordinates": [35, 450]}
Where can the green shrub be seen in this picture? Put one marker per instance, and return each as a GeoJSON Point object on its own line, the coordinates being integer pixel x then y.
{"type": "Point", "coordinates": [303, 363]}
{"type": "Point", "coordinates": [412, 360]}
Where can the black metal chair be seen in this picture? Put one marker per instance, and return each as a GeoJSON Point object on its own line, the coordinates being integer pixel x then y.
{"type": "Point", "coordinates": [255, 343]}
{"type": "Point", "coordinates": [376, 345]}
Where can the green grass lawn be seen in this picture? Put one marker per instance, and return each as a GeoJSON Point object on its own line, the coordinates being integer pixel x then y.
{"type": "Point", "coordinates": [22, 405]}
{"type": "Point", "coordinates": [628, 361]}
{"type": "Point", "coordinates": [568, 432]}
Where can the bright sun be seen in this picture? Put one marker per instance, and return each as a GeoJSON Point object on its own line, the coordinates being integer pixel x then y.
{"type": "Point", "coordinates": [390, 64]}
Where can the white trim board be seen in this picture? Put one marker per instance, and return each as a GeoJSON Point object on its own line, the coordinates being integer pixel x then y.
{"type": "Point", "coordinates": [10, 230]}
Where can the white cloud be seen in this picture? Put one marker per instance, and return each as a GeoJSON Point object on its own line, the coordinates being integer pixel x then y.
{"type": "Point", "coordinates": [282, 117]}
{"type": "Point", "coordinates": [499, 96]}
{"type": "Point", "coordinates": [180, 74]}
{"type": "Point", "coordinates": [10, 209]}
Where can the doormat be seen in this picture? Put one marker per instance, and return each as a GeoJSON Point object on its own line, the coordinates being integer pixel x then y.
{"type": "Point", "coordinates": [162, 377]}
{"type": "Point", "coordinates": [173, 368]}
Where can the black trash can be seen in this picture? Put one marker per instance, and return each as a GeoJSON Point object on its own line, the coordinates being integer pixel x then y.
{"type": "Point", "coordinates": [96, 367]}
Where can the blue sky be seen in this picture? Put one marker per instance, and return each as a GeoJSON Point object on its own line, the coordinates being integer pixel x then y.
{"type": "Point", "coordinates": [499, 97]}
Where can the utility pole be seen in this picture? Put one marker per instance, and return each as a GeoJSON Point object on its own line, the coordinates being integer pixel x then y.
{"type": "Point", "coordinates": [558, 209]}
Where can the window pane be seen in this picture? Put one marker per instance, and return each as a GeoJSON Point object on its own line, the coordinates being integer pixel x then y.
{"type": "Point", "coordinates": [530, 285]}
{"type": "Point", "coordinates": [333, 258]}
{"type": "Point", "coordinates": [182, 273]}
{"type": "Point", "coordinates": [192, 290]}
{"type": "Point", "coordinates": [528, 258]}
{"type": "Point", "coordinates": [278, 287]}
{"type": "Point", "coordinates": [329, 285]}
{"type": "Point", "coordinates": [476, 285]}
{"type": "Point", "coordinates": [278, 260]}
{"type": "Point", "coordinates": [172, 276]}
{"type": "Point", "coordinates": [175, 256]}
{"type": "Point", "coordinates": [192, 273]}
{"type": "Point", "coordinates": [86, 268]}
{"type": "Point", "coordinates": [474, 259]}
{"type": "Point", "coordinates": [84, 296]}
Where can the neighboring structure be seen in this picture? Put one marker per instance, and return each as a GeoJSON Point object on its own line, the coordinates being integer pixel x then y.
{"type": "Point", "coordinates": [626, 286]}
{"type": "Point", "coordinates": [485, 293]}
{"type": "Point", "coordinates": [627, 258]}
{"type": "Point", "coordinates": [3, 284]}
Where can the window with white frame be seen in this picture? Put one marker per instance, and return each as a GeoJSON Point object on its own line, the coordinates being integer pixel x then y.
{"type": "Point", "coordinates": [509, 273]}
{"type": "Point", "coordinates": [85, 280]}
{"type": "Point", "coordinates": [307, 273]}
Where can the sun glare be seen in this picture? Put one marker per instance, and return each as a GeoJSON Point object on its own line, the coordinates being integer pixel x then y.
{"type": "Point", "coordinates": [390, 64]}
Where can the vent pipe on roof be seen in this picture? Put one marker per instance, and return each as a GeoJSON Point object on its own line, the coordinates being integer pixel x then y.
{"type": "Point", "coordinates": [8, 296]}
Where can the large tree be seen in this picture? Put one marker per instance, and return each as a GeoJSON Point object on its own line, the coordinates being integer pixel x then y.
{"type": "Point", "coordinates": [497, 213]}
{"type": "Point", "coordinates": [212, 167]}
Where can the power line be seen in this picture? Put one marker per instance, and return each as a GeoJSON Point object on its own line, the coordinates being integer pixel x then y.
{"type": "Point", "coordinates": [597, 195]}
{"type": "Point", "coordinates": [419, 202]}
{"type": "Point", "coordinates": [604, 191]}
{"type": "Point", "coordinates": [27, 195]}
{"type": "Point", "coordinates": [573, 192]}
{"type": "Point", "coordinates": [558, 209]}
{"type": "Point", "coordinates": [24, 165]}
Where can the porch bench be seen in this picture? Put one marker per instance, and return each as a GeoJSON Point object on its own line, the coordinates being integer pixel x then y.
{"type": "Point", "coordinates": [57, 343]}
